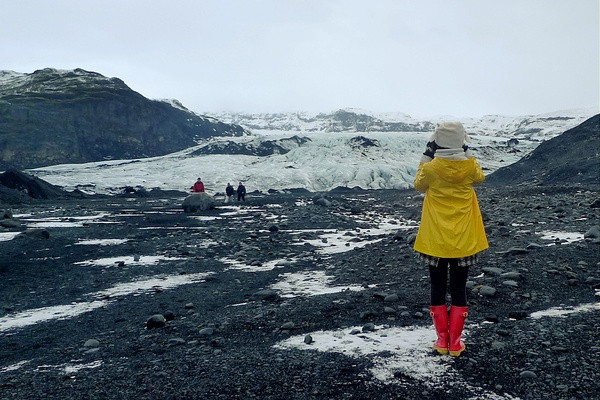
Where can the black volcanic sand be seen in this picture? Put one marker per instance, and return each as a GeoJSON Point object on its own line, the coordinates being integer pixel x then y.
{"type": "Point", "coordinates": [221, 342]}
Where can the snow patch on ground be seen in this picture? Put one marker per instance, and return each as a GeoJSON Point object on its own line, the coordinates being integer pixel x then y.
{"type": "Point", "coordinates": [103, 298]}
{"type": "Point", "coordinates": [394, 351]}
{"type": "Point", "coordinates": [561, 236]}
{"type": "Point", "coordinates": [565, 311]}
{"type": "Point", "coordinates": [268, 266]}
{"type": "Point", "coordinates": [102, 242]}
{"type": "Point", "coordinates": [6, 236]}
{"type": "Point", "coordinates": [127, 260]}
{"type": "Point", "coordinates": [309, 283]}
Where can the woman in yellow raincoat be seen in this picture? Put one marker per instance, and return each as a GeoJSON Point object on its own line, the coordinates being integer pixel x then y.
{"type": "Point", "coordinates": [451, 232]}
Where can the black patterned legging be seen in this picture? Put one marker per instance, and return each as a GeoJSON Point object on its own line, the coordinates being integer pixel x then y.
{"type": "Point", "coordinates": [439, 282]}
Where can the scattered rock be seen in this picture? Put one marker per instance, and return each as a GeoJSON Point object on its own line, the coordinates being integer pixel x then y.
{"type": "Point", "coordinates": [91, 343]}
{"type": "Point", "coordinates": [528, 375]}
{"type": "Point", "coordinates": [492, 270]}
{"type": "Point", "coordinates": [169, 315]}
{"type": "Point", "coordinates": [592, 233]}
{"type": "Point", "coordinates": [265, 295]}
{"type": "Point", "coordinates": [35, 234]}
{"type": "Point", "coordinates": [206, 332]}
{"type": "Point", "coordinates": [198, 202]}
{"type": "Point", "coordinates": [370, 327]}
{"type": "Point", "coordinates": [156, 321]}
{"type": "Point", "coordinates": [175, 342]}
{"type": "Point", "coordinates": [487, 291]}
{"type": "Point", "coordinates": [392, 298]}
{"type": "Point", "coordinates": [288, 326]}
{"type": "Point", "coordinates": [514, 251]}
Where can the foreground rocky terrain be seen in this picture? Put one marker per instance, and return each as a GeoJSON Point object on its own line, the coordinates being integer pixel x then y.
{"type": "Point", "coordinates": [292, 296]}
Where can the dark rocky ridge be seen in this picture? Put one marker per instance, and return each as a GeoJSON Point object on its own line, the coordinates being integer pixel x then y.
{"type": "Point", "coordinates": [261, 149]}
{"type": "Point", "coordinates": [572, 157]}
{"type": "Point", "coordinates": [55, 117]}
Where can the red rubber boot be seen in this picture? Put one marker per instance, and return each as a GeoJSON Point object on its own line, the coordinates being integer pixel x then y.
{"type": "Point", "coordinates": [439, 314]}
{"type": "Point", "coordinates": [457, 323]}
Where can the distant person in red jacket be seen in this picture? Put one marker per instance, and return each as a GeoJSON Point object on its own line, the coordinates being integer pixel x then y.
{"type": "Point", "coordinates": [198, 186]}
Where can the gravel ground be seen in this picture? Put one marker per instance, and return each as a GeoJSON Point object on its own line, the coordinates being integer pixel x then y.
{"type": "Point", "coordinates": [293, 296]}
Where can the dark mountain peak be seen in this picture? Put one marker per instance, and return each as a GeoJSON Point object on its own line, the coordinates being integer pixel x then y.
{"type": "Point", "coordinates": [52, 82]}
{"type": "Point", "coordinates": [54, 116]}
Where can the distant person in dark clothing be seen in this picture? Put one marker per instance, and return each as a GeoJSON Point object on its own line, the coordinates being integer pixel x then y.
{"type": "Point", "coordinates": [228, 192]}
{"type": "Point", "coordinates": [198, 186]}
{"type": "Point", "coordinates": [241, 192]}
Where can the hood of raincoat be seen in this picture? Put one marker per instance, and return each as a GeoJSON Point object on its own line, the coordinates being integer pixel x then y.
{"type": "Point", "coordinates": [453, 171]}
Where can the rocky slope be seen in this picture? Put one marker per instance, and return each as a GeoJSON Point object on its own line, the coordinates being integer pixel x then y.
{"type": "Point", "coordinates": [53, 117]}
{"type": "Point", "coordinates": [572, 157]}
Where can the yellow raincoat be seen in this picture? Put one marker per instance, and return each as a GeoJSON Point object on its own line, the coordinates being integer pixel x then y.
{"type": "Point", "coordinates": [451, 223]}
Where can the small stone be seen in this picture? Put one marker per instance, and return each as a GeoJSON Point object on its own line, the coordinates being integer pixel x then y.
{"type": "Point", "coordinates": [511, 275]}
{"type": "Point", "coordinates": [510, 283]}
{"type": "Point", "coordinates": [492, 270]}
{"type": "Point", "coordinates": [380, 295]}
{"type": "Point", "coordinates": [370, 327]}
{"type": "Point", "coordinates": [288, 326]}
{"type": "Point", "coordinates": [169, 315]}
{"type": "Point", "coordinates": [206, 332]}
{"type": "Point", "coordinates": [266, 295]}
{"type": "Point", "coordinates": [514, 251]}
{"type": "Point", "coordinates": [175, 342]}
{"type": "Point", "coordinates": [36, 233]}
{"type": "Point", "coordinates": [308, 339]}
{"type": "Point", "coordinates": [487, 291]}
{"type": "Point", "coordinates": [592, 233]}
{"type": "Point", "coordinates": [389, 310]}
{"type": "Point", "coordinates": [91, 343]}
{"type": "Point", "coordinates": [496, 345]}
{"type": "Point", "coordinates": [156, 321]}
{"type": "Point", "coordinates": [528, 375]}
{"type": "Point", "coordinates": [392, 298]}
{"type": "Point", "coordinates": [189, 306]}
{"type": "Point", "coordinates": [491, 318]}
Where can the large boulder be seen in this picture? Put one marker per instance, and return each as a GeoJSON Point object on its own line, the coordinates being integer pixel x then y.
{"type": "Point", "coordinates": [198, 202]}
{"type": "Point", "coordinates": [18, 187]}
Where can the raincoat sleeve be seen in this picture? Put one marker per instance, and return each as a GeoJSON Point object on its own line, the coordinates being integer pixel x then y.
{"type": "Point", "coordinates": [421, 184]}
{"type": "Point", "coordinates": [478, 176]}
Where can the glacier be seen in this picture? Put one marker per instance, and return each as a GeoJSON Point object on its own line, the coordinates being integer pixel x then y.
{"type": "Point", "coordinates": [329, 159]}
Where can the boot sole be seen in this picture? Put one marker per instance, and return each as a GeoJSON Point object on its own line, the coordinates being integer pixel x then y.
{"type": "Point", "coordinates": [441, 350]}
{"type": "Point", "coordinates": [457, 352]}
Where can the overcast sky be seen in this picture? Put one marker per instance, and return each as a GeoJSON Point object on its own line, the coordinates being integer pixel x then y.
{"type": "Point", "coordinates": [421, 57]}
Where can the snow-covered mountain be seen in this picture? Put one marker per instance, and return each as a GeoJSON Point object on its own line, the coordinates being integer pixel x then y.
{"type": "Point", "coordinates": [533, 127]}
{"type": "Point", "coordinates": [299, 151]}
